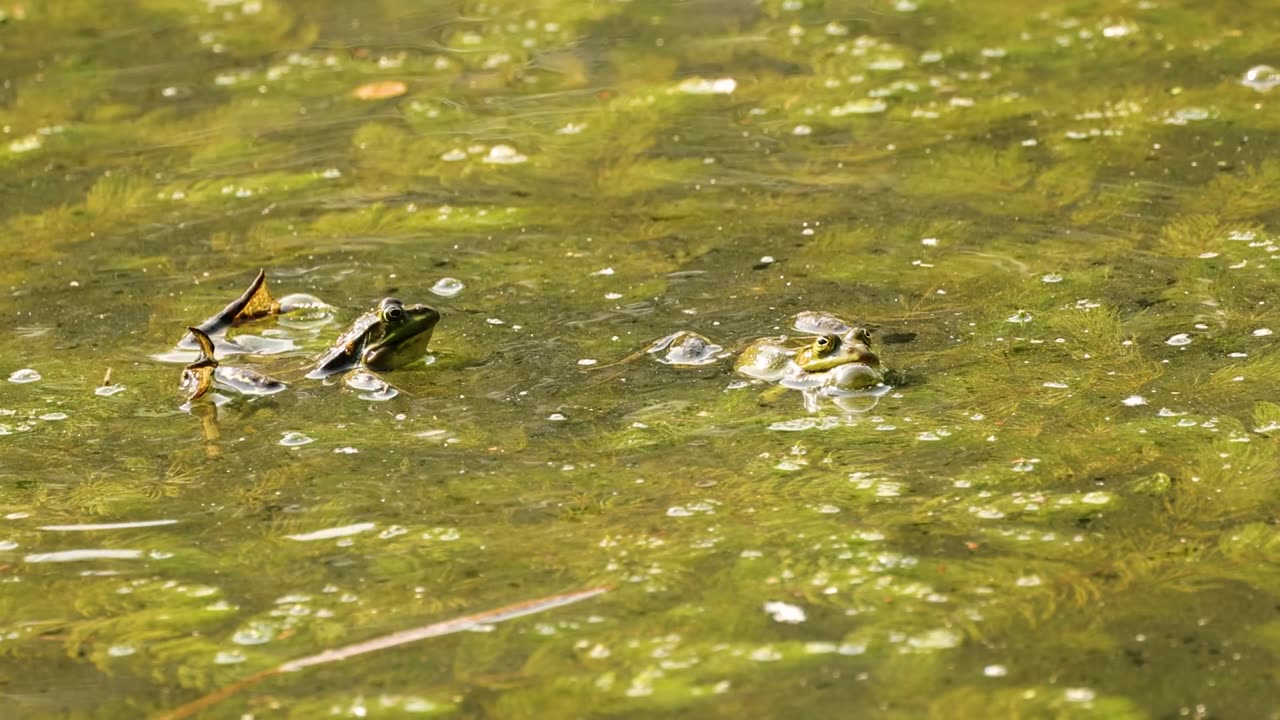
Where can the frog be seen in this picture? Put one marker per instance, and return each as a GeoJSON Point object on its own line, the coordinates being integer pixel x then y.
{"type": "Point", "coordinates": [834, 360]}
{"type": "Point", "coordinates": [838, 367]}
{"type": "Point", "coordinates": [385, 338]}
{"type": "Point", "coordinates": [774, 358]}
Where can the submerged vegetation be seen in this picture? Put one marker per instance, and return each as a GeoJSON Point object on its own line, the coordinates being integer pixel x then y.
{"type": "Point", "coordinates": [1060, 221]}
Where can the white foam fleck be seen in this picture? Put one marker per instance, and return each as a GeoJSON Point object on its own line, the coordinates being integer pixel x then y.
{"type": "Point", "coordinates": [93, 527]}
{"type": "Point", "coordinates": [1079, 695]}
{"type": "Point", "coordinates": [765, 654]}
{"type": "Point", "coordinates": [702, 86]}
{"type": "Point", "coordinates": [108, 390]}
{"type": "Point", "coordinates": [504, 155]}
{"type": "Point", "coordinates": [1262, 332]}
{"type": "Point", "coordinates": [1134, 400]}
{"type": "Point", "coordinates": [1022, 316]}
{"type": "Point", "coordinates": [940, 639]}
{"type": "Point", "coordinates": [256, 632]}
{"type": "Point", "coordinates": [25, 375]}
{"type": "Point", "coordinates": [1178, 340]}
{"type": "Point", "coordinates": [865, 106]}
{"type": "Point", "coordinates": [1119, 30]}
{"type": "Point", "coordinates": [334, 532]}
{"type": "Point", "coordinates": [229, 657]}
{"type": "Point", "coordinates": [995, 671]}
{"type": "Point", "coordinates": [294, 439]}
{"type": "Point", "coordinates": [1261, 78]}
{"type": "Point", "coordinates": [87, 554]}
{"type": "Point", "coordinates": [26, 144]}
{"type": "Point", "coordinates": [787, 613]}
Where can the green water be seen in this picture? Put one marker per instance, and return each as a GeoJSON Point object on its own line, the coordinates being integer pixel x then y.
{"type": "Point", "coordinates": [1061, 222]}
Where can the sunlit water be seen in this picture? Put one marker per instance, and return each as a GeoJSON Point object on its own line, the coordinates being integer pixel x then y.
{"type": "Point", "coordinates": [1060, 221]}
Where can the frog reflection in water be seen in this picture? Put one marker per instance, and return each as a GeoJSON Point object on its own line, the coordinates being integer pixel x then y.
{"type": "Point", "coordinates": [387, 337]}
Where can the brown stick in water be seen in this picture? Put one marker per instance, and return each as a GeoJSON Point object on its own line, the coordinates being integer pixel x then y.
{"type": "Point", "coordinates": [446, 627]}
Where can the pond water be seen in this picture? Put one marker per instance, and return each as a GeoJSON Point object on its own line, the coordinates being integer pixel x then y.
{"type": "Point", "coordinates": [1061, 221]}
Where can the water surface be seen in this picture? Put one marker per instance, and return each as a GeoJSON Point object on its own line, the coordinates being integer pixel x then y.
{"type": "Point", "coordinates": [1060, 220]}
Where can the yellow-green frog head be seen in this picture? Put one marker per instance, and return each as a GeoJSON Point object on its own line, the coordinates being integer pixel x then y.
{"type": "Point", "coordinates": [830, 350]}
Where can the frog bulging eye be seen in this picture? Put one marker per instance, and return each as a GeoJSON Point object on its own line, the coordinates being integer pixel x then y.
{"type": "Point", "coordinates": [392, 311]}
{"type": "Point", "coordinates": [824, 344]}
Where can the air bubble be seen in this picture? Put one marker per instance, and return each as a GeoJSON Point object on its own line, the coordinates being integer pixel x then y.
{"type": "Point", "coordinates": [25, 375]}
{"type": "Point", "coordinates": [1261, 78]}
{"type": "Point", "coordinates": [447, 287]}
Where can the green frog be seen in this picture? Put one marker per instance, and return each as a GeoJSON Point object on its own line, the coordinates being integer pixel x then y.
{"type": "Point", "coordinates": [385, 338]}
{"type": "Point", "coordinates": [835, 361]}
{"type": "Point", "coordinates": [837, 364]}
{"type": "Point", "coordinates": [388, 337]}
{"type": "Point", "coordinates": [772, 358]}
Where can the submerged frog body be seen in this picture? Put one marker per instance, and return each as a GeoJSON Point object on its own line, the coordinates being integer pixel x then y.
{"type": "Point", "coordinates": [765, 359]}
{"type": "Point", "coordinates": [685, 348]}
{"type": "Point", "coordinates": [388, 337]}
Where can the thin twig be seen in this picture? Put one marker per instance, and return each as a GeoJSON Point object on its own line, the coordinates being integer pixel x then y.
{"type": "Point", "coordinates": [446, 627]}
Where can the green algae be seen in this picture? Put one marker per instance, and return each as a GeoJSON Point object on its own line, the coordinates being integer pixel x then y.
{"type": "Point", "coordinates": [1027, 205]}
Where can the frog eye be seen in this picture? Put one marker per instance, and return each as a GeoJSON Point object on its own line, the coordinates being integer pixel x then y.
{"type": "Point", "coordinates": [823, 343]}
{"type": "Point", "coordinates": [393, 313]}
